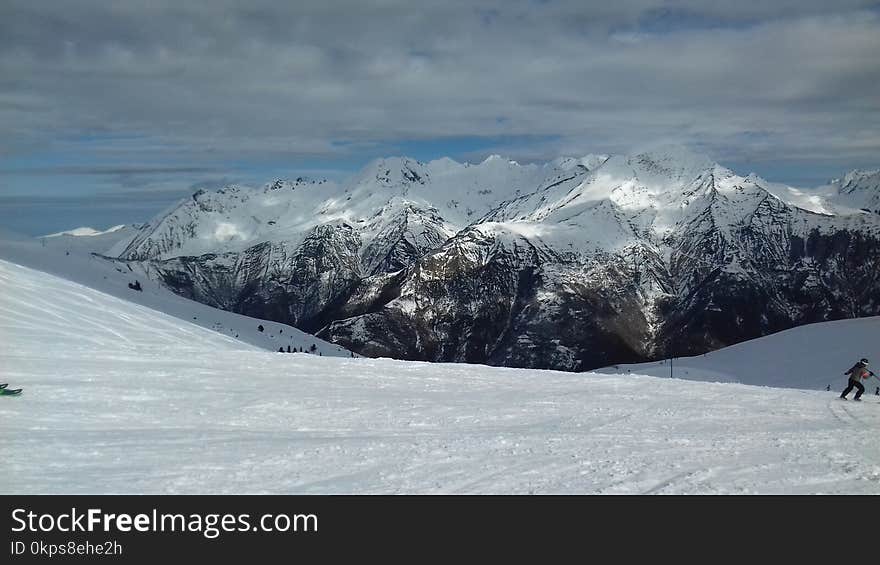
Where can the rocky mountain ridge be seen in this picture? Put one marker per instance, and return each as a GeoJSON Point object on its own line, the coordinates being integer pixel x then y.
{"type": "Point", "coordinates": [574, 264]}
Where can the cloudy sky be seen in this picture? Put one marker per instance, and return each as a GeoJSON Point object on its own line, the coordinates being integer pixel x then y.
{"type": "Point", "coordinates": [110, 111]}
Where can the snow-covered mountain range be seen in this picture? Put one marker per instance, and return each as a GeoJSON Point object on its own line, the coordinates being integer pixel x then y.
{"type": "Point", "coordinates": [574, 264]}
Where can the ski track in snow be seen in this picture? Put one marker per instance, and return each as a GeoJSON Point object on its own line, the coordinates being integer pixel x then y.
{"type": "Point", "coordinates": [119, 398]}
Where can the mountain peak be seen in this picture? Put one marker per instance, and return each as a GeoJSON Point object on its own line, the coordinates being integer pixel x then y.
{"type": "Point", "coordinates": [394, 171]}
{"type": "Point", "coordinates": [279, 184]}
{"type": "Point", "coordinates": [498, 159]}
{"type": "Point", "coordinates": [589, 162]}
{"type": "Point", "coordinates": [858, 189]}
{"type": "Point", "coordinates": [593, 161]}
{"type": "Point", "coordinates": [444, 163]}
{"type": "Point", "coordinates": [858, 180]}
{"type": "Point", "coordinates": [673, 160]}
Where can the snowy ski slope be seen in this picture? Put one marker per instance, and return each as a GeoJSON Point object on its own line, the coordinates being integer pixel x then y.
{"type": "Point", "coordinates": [809, 357]}
{"type": "Point", "coordinates": [120, 398]}
{"type": "Point", "coordinates": [72, 259]}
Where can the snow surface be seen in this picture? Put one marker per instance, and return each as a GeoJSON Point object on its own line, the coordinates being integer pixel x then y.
{"type": "Point", "coordinates": [78, 264]}
{"type": "Point", "coordinates": [119, 398]}
{"type": "Point", "coordinates": [86, 231]}
{"type": "Point", "coordinates": [857, 190]}
{"type": "Point", "coordinates": [812, 356]}
{"type": "Point", "coordinates": [89, 240]}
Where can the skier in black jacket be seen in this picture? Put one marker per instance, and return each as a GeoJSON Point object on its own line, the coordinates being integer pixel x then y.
{"type": "Point", "coordinates": [856, 373]}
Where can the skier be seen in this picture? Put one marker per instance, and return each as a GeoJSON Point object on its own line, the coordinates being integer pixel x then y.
{"type": "Point", "coordinates": [856, 373]}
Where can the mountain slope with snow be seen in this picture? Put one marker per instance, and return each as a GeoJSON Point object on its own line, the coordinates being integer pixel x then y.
{"type": "Point", "coordinates": [813, 356]}
{"type": "Point", "coordinates": [114, 277]}
{"type": "Point", "coordinates": [857, 189]}
{"type": "Point", "coordinates": [43, 311]}
{"type": "Point", "coordinates": [121, 399]}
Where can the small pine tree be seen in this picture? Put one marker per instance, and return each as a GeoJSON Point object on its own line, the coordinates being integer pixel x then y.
{"type": "Point", "coordinates": [288, 349]}
{"type": "Point", "coordinates": [313, 348]}
{"type": "Point", "coordinates": [260, 327]}
{"type": "Point", "coordinates": [280, 350]}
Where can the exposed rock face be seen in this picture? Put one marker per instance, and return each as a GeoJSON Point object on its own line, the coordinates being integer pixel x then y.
{"type": "Point", "coordinates": [573, 265]}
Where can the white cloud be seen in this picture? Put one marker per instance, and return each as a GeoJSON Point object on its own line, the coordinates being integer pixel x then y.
{"type": "Point", "coordinates": [797, 78]}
